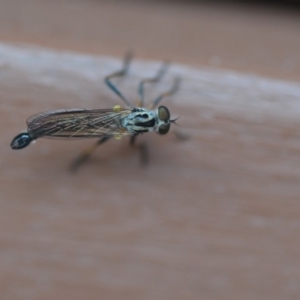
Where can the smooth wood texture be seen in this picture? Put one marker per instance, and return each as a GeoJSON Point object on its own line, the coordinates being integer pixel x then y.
{"type": "Point", "coordinates": [213, 217]}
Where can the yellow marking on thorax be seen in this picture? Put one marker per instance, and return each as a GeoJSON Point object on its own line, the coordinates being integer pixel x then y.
{"type": "Point", "coordinates": [118, 136]}
{"type": "Point", "coordinates": [117, 108]}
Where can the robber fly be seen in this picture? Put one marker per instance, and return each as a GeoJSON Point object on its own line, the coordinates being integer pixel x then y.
{"type": "Point", "coordinates": [102, 123]}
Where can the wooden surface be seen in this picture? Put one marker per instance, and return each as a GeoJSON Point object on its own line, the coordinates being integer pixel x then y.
{"type": "Point", "coordinates": [213, 217]}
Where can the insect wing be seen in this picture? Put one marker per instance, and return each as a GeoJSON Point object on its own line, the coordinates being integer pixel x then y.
{"type": "Point", "coordinates": [78, 123]}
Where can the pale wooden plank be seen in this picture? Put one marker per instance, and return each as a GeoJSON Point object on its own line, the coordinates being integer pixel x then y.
{"type": "Point", "coordinates": [214, 214]}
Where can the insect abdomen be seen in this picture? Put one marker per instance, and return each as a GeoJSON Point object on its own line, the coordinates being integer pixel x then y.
{"type": "Point", "coordinates": [21, 141]}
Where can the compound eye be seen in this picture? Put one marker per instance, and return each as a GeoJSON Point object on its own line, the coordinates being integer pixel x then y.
{"type": "Point", "coordinates": [164, 128]}
{"type": "Point", "coordinates": [163, 113]}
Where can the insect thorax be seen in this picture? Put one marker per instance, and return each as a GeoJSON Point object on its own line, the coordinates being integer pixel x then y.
{"type": "Point", "coordinates": [140, 120]}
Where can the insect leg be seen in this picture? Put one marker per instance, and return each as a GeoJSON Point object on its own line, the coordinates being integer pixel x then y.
{"type": "Point", "coordinates": [170, 92]}
{"type": "Point", "coordinates": [180, 135]}
{"type": "Point", "coordinates": [122, 72]}
{"type": "Point", "coordinates": [144, 155]}
{"type": "Point", "coordinates": [132, 140]}
{"type": "Point", "coordinates": [161, 72]}
{"type": "Point", "coordinates": [87, 153]}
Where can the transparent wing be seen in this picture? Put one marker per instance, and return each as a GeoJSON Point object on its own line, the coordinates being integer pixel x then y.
{"type": "Point", "coordinates": [78, 123]}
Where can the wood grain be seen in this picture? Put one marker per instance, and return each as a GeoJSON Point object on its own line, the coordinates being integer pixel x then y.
{"type": "Point", "coordinates": [213, 217]}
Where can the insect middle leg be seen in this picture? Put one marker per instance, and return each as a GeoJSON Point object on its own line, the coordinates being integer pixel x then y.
{"type": "Point", "coordinates": [87, 153]}
{"type": "Point", "coordinates": [143, 148]}
{"type": "Point", "coordinates": [161, 72]}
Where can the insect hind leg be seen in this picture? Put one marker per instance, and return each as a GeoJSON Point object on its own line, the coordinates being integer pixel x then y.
{"type": "Point", "coordinates": [120, 73]}
{"type": "Point", "coordinates": [86, 154]}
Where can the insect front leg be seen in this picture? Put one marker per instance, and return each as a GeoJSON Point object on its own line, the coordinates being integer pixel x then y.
{"type": "Point", "coordinates": [180, 135]}
{"type": "Point", "coordinates": [168, 93]}
{"type": "Point", "coordinates": [87, 153]}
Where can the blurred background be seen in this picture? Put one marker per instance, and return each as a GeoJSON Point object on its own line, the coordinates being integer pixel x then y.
{"type": "Point", "coordinates": [260, 37]}
{"type": "Point", "coordinates": [215, 217]}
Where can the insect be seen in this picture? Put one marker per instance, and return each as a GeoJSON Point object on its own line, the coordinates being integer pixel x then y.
{"type": "Point", "coordinates": [103, 123]}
